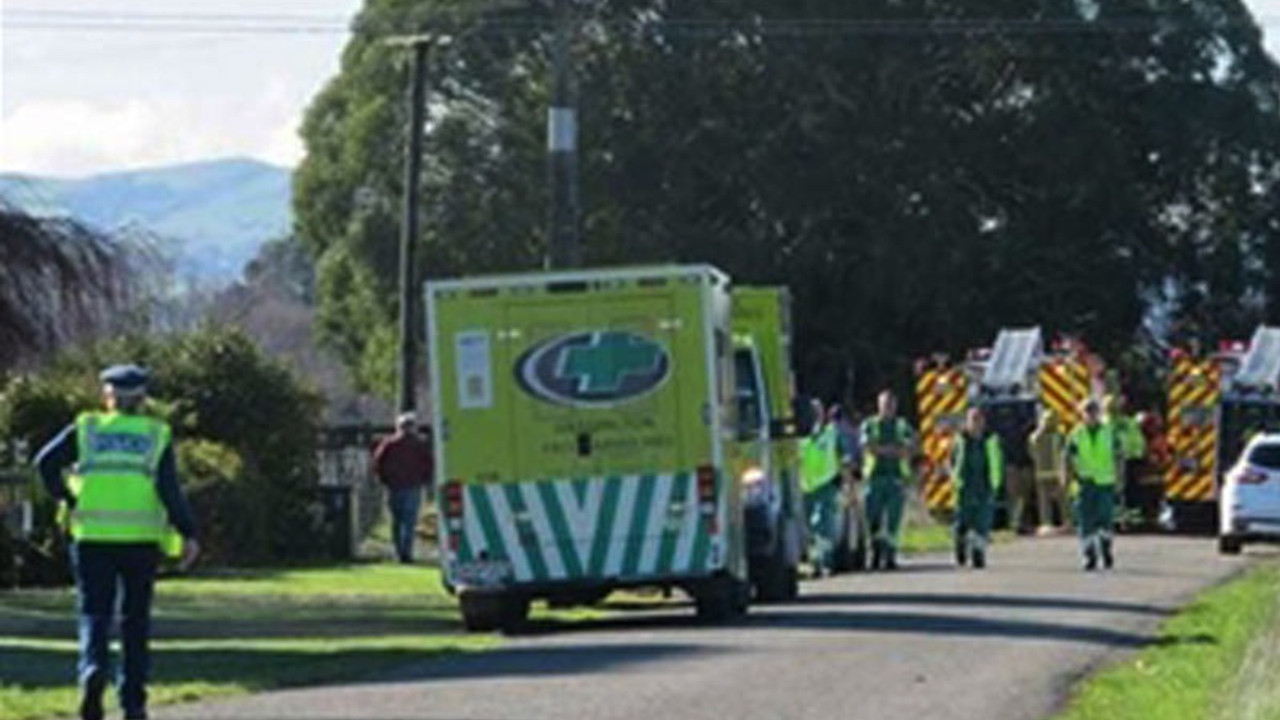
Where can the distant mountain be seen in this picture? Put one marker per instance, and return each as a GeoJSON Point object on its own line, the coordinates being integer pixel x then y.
{"type": "Point", "coordinates": [211, 217]}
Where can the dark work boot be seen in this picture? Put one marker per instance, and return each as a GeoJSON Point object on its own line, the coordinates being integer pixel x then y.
{"type": "Point", "coordinates": [890, 557]}
{"type": "Point", "coordinates": [961, 554]}
{"type": "Point", "coordinates": [979, 559]}
{"type": "Point", "coordinates": [877, 554]}
{"type": "Point", "coordinates": [1090, 559]}
{"type": "Point", "coordinates": [91, 696]}
{"type": "Point", "coordinates": [1108, 561]}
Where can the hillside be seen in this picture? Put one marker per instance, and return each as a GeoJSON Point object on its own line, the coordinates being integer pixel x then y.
{"type": "Point", "coordinates": [211, 216]}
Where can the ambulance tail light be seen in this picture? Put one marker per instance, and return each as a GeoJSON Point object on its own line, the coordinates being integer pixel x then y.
{"type": "Point", "coordinates": [453, 500]}
{"type": "Point", "coordinates": [706, 485]}
{"type": "Point", "coordinates": [452, 507]}
{"type": "Point", "coordinates": [707, 496]}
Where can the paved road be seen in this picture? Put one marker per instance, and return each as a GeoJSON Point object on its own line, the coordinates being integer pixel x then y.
{"type": "Point", "coordinates": [929, 643]}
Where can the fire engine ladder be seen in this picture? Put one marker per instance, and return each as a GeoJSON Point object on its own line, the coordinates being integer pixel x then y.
{"type": "Point", "coordinates": [1260, 366]}
{"type": "Point", "coordinates": [1014, 358]}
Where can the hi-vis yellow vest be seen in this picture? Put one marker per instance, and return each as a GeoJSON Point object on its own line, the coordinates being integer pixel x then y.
{"type": "Point", "coordinates": [1094, 453]}
{"type": "Point", "coordinates": [114, 482]}
{"type": "Point", "coordinates": [995, 460]}
{"type": "Point", "coordinates": [818, 461]}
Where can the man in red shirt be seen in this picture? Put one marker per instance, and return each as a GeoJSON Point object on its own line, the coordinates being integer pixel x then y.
{"type": "Point", "coordinates": [403, 462]}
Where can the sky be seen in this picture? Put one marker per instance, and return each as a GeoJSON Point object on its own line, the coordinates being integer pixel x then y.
{"type": "Point", "coordinates": [78, 98]}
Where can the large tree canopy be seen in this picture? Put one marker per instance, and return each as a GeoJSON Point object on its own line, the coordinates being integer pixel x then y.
{"type": "Point", "coordinates": [920, 172]}
{"type": "Point", "coordinates": [58, 279]}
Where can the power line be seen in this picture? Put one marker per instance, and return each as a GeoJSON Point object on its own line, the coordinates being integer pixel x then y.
{"type": "Point", "coordinates": [297, 23]}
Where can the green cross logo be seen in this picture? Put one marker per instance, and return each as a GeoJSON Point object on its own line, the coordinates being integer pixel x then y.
{"type": "Point", "coordinates": [602, 365]}
{"type": "Point", "coordinates": [593, 369]}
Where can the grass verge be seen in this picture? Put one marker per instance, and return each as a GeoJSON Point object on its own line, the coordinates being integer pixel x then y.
{"type": "Point", "coordinates": [1216, 659]}
{"type": "Point", "coordinates": [235, 632]}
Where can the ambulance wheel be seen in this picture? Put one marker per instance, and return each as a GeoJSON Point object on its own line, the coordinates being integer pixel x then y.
{"type": "Point", "coordinates": [487, 612]}
{"type": "Point", "coordinates": [1229, 545]}
{"type": "Point", "coordinates": [721, 600]}
{"type": "Point", "coordinates": [779, 581]}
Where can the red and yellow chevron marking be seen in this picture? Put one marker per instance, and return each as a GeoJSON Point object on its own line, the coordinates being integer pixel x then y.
{"type": "Point", "coordinates": [942, 394]}
{"type": "Point", "coordinates": [1064, 385]}
{"type": "Point", "coordinates": [1195, 387]}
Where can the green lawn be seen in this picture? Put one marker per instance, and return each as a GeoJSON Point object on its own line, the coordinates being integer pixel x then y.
{"type": "Point", "coordinates": [1216, 660]}
{"type": "Point", "coordinates": [226, 633]}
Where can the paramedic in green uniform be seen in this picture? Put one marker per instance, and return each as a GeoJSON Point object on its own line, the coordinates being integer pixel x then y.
{"type": "Point", "coordinates": [1094, 458]}
{"type": "Point", "coordinates": [887, 445]}
{"type": "Point", "coordinates": [977, 471]}
{"type": "Point", "coordinates": [819, 480]}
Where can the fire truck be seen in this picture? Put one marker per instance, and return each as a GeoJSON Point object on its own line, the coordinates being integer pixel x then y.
{"type": "Point", "coordinates": [1216, 403]}
{"type": "Point", "coordinates": [1013, 381]}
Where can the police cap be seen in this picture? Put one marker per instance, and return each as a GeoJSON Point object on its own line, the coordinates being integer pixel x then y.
{"type": "Point", "coordinates": [125, 379]}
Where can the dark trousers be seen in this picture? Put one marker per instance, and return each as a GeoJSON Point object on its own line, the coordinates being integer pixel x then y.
{"type": "Point", "coordinates": [103, 571]}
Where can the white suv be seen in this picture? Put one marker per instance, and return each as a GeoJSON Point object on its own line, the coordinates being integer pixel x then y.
{"type": "Point", "coordinates": [1249, 505]}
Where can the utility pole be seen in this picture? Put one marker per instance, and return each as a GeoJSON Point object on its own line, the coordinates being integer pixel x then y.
{"type": "Point", "coordinates": [409, 227]}
{"type": "Point", "coordinates": [565, 250]}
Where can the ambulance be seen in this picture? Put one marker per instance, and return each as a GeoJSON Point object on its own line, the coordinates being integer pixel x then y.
{"type": "Point", "coordinates": [587, 439]}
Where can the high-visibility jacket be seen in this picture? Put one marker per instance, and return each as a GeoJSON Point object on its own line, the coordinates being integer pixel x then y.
{"type": "Point", "coordinates": [994, 461]}
{"type": "Point", "coordinates": [1132, 443]}
{"type": "Point", "coordinates": [819, 459]}
{"type": "Point", "coordinates": [1093, 453]}
{"type": "Point", "coordinates": [876, 431]}
{"type": "Point", "coordinates": [114, 481]}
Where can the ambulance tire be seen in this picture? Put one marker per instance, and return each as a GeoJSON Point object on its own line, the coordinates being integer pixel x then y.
{"type": "Point", "coordinates": [779, 581]}
{"type": "Point", "coordinates": [489, 612]}
{"type": "Point", "coordinates": [721, 600]}
{"type": "Point", "coordinates": [1229, 545]}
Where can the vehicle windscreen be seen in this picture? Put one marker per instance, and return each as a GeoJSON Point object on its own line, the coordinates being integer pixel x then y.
{"type": "Point", "coordinates": [1265, 456]}
{"type": "Point", "coordinates": [747, 394]}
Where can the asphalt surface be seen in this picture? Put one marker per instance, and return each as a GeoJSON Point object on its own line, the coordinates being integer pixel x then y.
{"type": "Point", "coordinates": [930, 642]}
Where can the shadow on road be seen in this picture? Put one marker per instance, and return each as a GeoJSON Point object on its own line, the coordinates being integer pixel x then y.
{"type": "Point", "coordinates": [544, 661]}
{"type": "Point", "coordinates": [927, 624]}
{"type": "Point", "coordinates": [979, 600]}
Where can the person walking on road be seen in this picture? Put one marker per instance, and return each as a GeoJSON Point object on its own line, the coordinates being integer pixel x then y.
{"type": "Point", "coordinates": [887, 446]}
{"type": "Point", "coordinates": [123, 502]}
{"type": "Point", "coordinates": [1046, 446]}
{"type": "Point", "coordinates": [977, 472]}
{"type": "Point", "coordinates": [1094, 459]}
{"type": "Point", "coordinates": [820, 483]}
{"type": "Point", "coordinates": [403, 462]}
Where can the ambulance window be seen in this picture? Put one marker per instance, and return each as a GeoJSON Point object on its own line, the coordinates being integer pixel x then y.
{"type": "Point", "coordinates": [747, 394]}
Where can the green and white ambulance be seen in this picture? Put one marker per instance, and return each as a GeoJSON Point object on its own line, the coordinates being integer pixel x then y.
{"type": "Point", "coordinates": [586, 439]}
{"type": "Point", "coordinates": [768, 453]}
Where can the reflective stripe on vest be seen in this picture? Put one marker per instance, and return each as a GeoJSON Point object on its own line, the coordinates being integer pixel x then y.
{"type": "Point", "coordinates": [115, 478]}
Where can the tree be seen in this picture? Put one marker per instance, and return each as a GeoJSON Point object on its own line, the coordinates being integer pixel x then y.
{"type": "Point", "coordinates": [58, 279]}
{"type": "Point", "coordinates": [920, 173]}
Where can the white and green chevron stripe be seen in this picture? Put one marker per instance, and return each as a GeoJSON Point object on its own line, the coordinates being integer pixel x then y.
{"type": "Point", "coordinates": [611, 528]}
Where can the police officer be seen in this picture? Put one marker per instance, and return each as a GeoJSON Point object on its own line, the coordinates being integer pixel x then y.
{"type": "Point", "coordinates": [1094, 460]}
{"type": "Point", "coordinates": [977, 471]}
{"type": "Point", "coordinates": [819, 481]}
{"type": "Point", "coordinates": [887, 443]}
{"type": "Point", "coordinates": [124, 502]}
